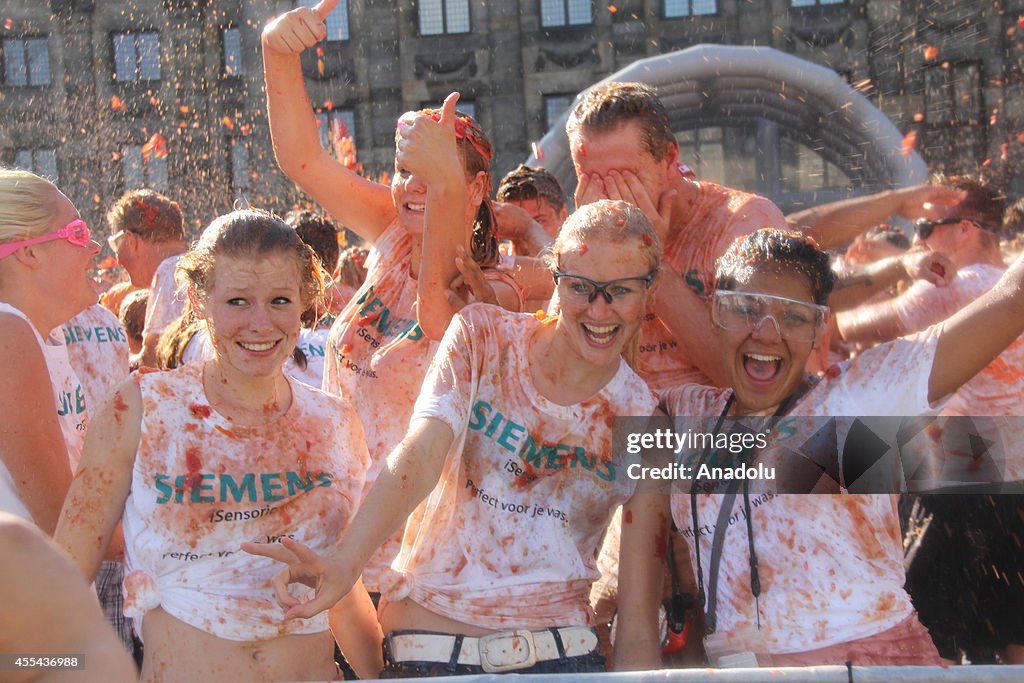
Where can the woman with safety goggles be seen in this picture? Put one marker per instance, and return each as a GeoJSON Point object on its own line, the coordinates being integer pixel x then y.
{"type": "Point", "coordinates": [509, 473]}
{"type": "Point", "coordinates": [46, 253]}
{"type": "Point", "coordinates": [795, 580]}
{"type": "Point", "coordinates": [380, 345]}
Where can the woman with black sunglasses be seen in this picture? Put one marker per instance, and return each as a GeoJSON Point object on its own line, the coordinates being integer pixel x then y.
{"type": "Point", "coordinates": [46, 254]}
{"type": "Point", "coordinates": [508, 471]}
{"type": "Point", "coordinates": [799, 580]}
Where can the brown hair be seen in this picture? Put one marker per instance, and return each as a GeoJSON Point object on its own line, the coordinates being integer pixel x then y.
{"type": "Point", "coordinates": [148, 214]}
{"type": "Point", "coordinates": [983, 203]}
{"type": "Point", "coordinates": [789, 251]}
{"type": "Point", "coordinates": [607, 106]}
{"type": "Point", "coordinates": [531, 182]}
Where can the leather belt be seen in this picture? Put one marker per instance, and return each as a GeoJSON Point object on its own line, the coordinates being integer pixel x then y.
{"type": "Point", "coordinates": [496, 652]}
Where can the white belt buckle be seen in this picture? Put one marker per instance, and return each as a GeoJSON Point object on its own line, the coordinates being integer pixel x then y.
{"type": "Point", "coordinates": [501, 652]}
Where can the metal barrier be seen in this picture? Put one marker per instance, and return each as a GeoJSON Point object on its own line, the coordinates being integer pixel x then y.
{"type": "Point", "coordinates": [814, 674]}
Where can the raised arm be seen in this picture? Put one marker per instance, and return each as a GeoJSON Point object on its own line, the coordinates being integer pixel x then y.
{"type": "Point", "coordinates": [33, 447]}
{"type": "Point", "coordinates": [427, 149]}
{"type": "Point", "coordinates": [837, 223]}
{"type": "Point", "coordinates": [979, 332]}
{"type": "Point", "coordinates": [95, 502]}
{"type": "Point", "coordinates": [360, 204]}
{"type": "Point", "coordinates": [857, 284]}
{"type": "Point", "coordinates": [411, 473]}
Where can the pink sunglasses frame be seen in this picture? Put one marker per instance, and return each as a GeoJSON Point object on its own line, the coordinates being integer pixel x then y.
{"type": "Point", "coordinates": [69, 232]}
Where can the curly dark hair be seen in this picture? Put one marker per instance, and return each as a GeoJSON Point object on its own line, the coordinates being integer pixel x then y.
{"type": "Point", "coordinates": [790, 251]}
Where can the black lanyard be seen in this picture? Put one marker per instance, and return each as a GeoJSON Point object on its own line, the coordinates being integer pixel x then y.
{"type": "Point", "coordinates": [710, 601]}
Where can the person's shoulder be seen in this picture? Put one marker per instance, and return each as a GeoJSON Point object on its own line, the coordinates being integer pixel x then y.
{"type": "Point", "coordinates": [697, 400]}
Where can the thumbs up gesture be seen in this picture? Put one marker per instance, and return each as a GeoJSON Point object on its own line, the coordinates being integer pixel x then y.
{"type": "Point", "coordinates": [426, 147]}
{"type": "Point", "coordinates": [302, 28]}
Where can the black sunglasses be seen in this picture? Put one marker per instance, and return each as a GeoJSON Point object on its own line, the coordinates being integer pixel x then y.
{"type": "Point", "coordinates": [924, 227]}
{"type": "Point", "coordinates": [585, 287]}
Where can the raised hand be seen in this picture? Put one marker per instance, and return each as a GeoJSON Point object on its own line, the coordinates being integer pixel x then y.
{"type": "Point", "coordinates": [933, 266]}
{"type": "Point", "coordinates": [469, 285]}
{"type": "Point", "coordinates": [329, 575]}
{"type": "Point", "coordinates": [626, 186]}
{"type": "Point", "coordinates": [299, 29]}
{"type": "Point", "coordinates": [426, 147]}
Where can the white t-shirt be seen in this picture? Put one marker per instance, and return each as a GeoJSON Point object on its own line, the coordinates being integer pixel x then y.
{"type": "Point", "coordinates": [830, 566]}
{"type": "Point", "coordinates": [98, 349]}
{"type": "Point", "coordinates": [508, 537]}
{"type": "Point", "coordinates": [72, 415]}
{"type": "Point", "coordinates": [376, 357]}
{"type": "Point", "coordinates": [165, 305]}
{"type": "Point", "coordinates": [201, 485]}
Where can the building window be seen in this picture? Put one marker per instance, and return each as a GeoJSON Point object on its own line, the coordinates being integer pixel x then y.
{"type": "Point", "coordinates": [812, 3]}
{"type": "Point", "coordinates": [231, 40]}
{"type": "Point", "coordinates": [565, 12]}
{"type": "Point", "coordinates": [26, 61]}
{"type": "Point", "coordinates": [239, 165]}
{"type": "Point", "coordinates": [703, 150]}
{"type": "Point", "coordinates": [337, 20]}
{"type": "Point", "coordinates": [690, 8]}
{"type": "Point", "coordinates": [438, 17]}
{"type": "Point", "coordinates": [337, 131]}
{"type": "Point", "coordinates": [555, 106]}
{"type": "Point", "coordinates": [140, 170]}
{"type": "Point", "coordinates": [954, 121]}
{"type": "Point", "coordinates": [137, 57]}
{"type": "Point", "coordinates": [39, 161]}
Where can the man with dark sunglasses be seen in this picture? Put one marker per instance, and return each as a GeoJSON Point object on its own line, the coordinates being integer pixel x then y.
{"type": "Point", "coordinates": [984, 621]}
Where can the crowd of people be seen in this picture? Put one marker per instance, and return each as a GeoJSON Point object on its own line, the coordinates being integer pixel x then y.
{"type": "Point", "coordinates": [277, 459]}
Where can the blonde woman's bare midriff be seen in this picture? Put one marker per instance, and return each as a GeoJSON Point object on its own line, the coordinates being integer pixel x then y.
{"type": "Point", "coordinates": [406, 615]}
{"type": "Point", "coordinates": [175, 651]}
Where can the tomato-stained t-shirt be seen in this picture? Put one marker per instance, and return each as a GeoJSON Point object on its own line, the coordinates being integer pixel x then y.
{"type": "Point", "coordinates": [508, 537]}
{"type": "Point", "coordinates": [202, 485]}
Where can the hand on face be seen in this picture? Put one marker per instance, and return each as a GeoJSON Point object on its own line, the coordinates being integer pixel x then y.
{"type": "Point", "coordinates": [295, 31]}
{"type": "Point", "coordinates": [930, 201]}
{"type": "Point", "coordinates": [427, 148]}
{"type": "Point", "coordinates": [626, 186]}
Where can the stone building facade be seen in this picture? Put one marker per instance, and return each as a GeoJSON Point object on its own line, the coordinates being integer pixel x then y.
{"type": "Point", "coordinates": [110, 95]}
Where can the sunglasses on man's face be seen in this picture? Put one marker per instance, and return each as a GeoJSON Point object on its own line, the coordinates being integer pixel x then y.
{"type": "Point", "coordinates": [925, 227]}
{"type": "Point", "coordinates": [76, 232]}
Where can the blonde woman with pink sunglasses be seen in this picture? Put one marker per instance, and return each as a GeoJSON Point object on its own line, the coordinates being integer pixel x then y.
{"type": "Point", "coordinates": [46, 252]}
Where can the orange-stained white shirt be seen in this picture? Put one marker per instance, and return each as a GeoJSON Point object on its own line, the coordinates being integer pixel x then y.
{"type": "Point", "coordinates": [98, 350]}
{"type": "Point", "coordinates": [376, 357]}
{"type": "Point", "coordinates": [830, 566]}
{"type": "Point", "coordinates": [202, 485]}
{"type": "Point", "coordinates": [508, 537]}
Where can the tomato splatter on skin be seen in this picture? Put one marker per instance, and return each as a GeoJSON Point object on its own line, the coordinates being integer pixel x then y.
{"type": "Point", "coordinates": [583, 249]}
{"type": "Point", "coordinates": [627, 517]}
{"type": "Point", "coordinates": [119, 408]}
{"type": "Point", "coordinates": [661, 542]}
{"type": "Point", "coordinates": [200, 411]}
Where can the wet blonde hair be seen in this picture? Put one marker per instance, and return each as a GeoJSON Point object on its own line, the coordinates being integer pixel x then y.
{"type": "Point", "coordinates": [607, 219]}
{"type": "Point", "coordinates": [613, 221]}
{"type": "Point", "coordinates": [28, 205]}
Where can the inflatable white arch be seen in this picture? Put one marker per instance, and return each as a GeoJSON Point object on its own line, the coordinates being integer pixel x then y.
{"type": "Point", "coordinates": [723, 85]}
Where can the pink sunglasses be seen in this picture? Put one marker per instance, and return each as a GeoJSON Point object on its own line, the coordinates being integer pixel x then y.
{"type": "Point", "coordinates": [76, 232]}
